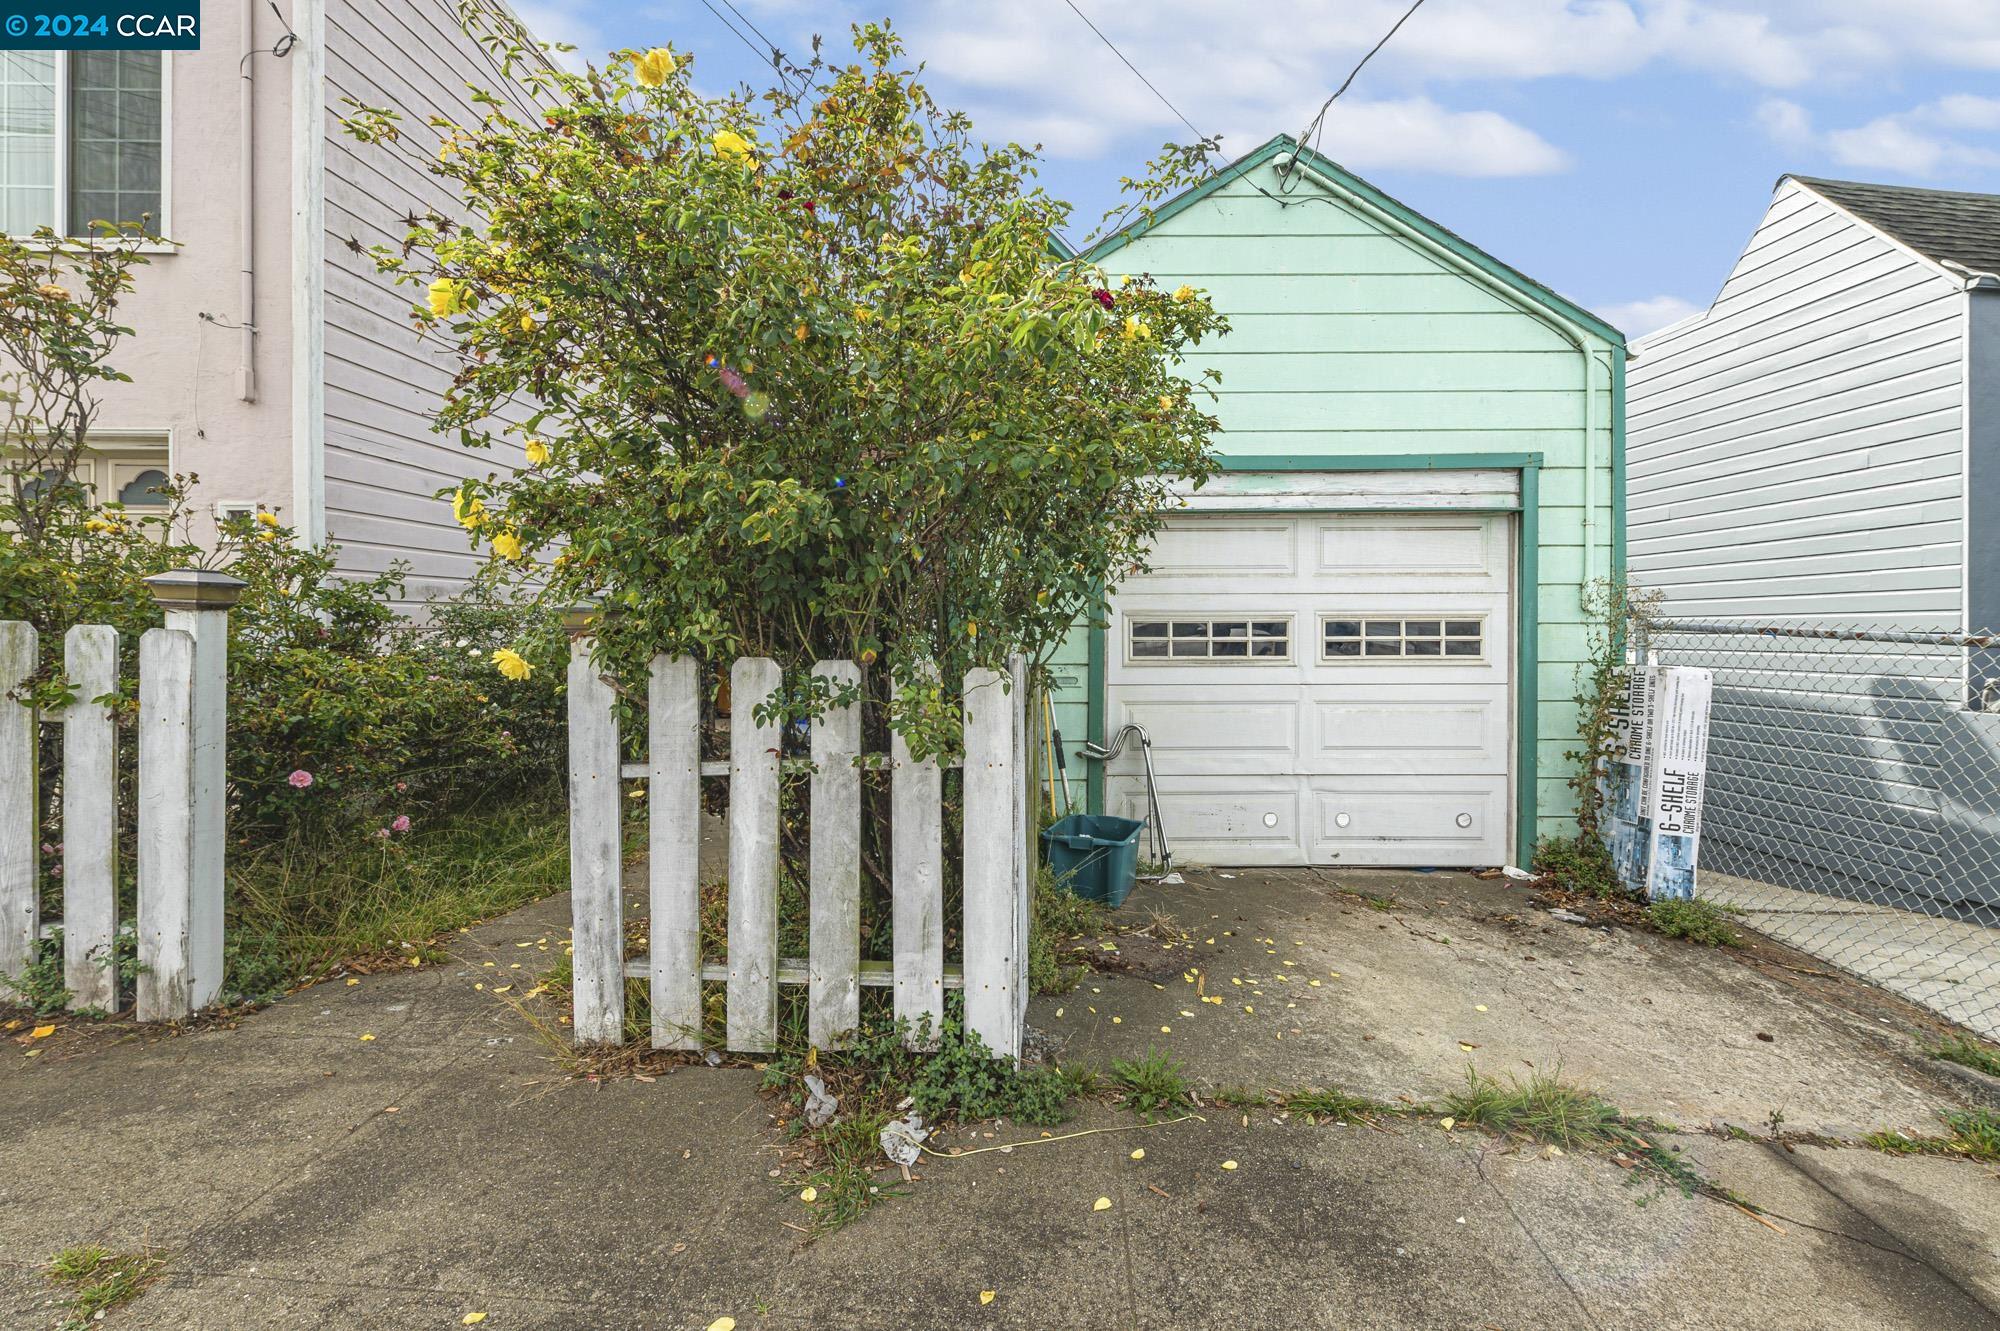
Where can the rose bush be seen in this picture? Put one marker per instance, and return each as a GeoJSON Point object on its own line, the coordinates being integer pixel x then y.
{"type": "Point", "coordinates": [800, 375]}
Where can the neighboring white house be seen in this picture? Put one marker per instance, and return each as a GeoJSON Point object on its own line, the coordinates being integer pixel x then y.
{"type": "Point", "coordinates": [1820, 443]}
{"type": "Point", "coordinates": [268, 357]}
{"type": "Point", "coordinates": [1820, 450]}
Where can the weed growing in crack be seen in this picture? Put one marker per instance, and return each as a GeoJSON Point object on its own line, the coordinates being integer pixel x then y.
{"type": "Point", "coordinates": [1697, 921]}
{"type": "Point", "coordinates": [1971, 1133]}
{"type": "Point", "coordinates": [96, 1280]}
{"type": "Point", "coordinates": [1969, 1053]}
{"type": "Point", "coordinates": [1152, 1085]}
{"type": "Point", "coordinates": [1547, 1109]}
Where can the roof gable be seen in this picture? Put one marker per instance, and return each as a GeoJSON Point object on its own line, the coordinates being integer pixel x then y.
{"type": "Point", "coordinates": [1948, 227]}
{"type": "Point", "coordinates": [1336, 177]}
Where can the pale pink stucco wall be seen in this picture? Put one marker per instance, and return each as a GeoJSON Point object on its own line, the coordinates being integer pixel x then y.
{"type": "Point", "coordinates": [184, 369]}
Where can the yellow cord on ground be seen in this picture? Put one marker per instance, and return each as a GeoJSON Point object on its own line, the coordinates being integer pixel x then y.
{"type": "Point", "coordinates": [1066, 1137]}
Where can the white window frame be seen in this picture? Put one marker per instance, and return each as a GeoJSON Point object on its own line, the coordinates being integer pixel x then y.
{"type": "Point", "coordinates": [62, 119]}
{"type": "Point", "coordinates": [1403, 617]}
{"type": "Point", "coordinates": [1133, 618]}
{"type": "Point", "coordinates": [124, 448]}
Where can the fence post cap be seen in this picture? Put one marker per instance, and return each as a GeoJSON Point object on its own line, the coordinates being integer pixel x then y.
{"type": "Point", "coordinates": [579, 617]}
{"type": "Point", "coordinates": [195, 589]}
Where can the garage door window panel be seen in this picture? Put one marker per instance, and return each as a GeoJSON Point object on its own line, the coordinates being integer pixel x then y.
{"type": "Point", "coordinates": [1194, 639]}
{"type": "Point", "coordinates": [1352, 638]}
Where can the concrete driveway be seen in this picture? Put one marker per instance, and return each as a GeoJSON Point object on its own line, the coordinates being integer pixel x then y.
{"type": "Point", "coordinates": [295, 1173]}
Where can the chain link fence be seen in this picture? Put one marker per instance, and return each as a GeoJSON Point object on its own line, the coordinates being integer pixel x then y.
{"type": "Point", "coordinates": [1852, 807]}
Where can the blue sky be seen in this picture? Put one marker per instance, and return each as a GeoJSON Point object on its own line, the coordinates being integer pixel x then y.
{"type": "Point", "coordinates": [1618, 150]}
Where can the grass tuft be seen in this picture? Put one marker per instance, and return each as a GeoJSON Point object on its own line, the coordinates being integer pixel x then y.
{"type": "Point", "coordinates": [1547, 1109]}
{"type": "Point", "coordinates": [1971, 1133]}
{"type": "Point", "coordinates": [1153, 1084]}
{"type": "Point", "coordinates": [1697, 921]}
{"type": "Point", "coordinates": [98, 1280]}
{"type": "Point", "coordinates": [1968, 1052]}
{"type": "Point", "coordinates": [1059, 918]}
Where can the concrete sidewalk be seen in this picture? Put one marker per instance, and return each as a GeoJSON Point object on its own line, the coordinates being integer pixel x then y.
{"type": "Point", "coordinates": [298, 1174]}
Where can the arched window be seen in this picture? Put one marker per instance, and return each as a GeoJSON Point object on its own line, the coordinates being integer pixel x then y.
{"type": "Point", "coordinates": [146, 490]}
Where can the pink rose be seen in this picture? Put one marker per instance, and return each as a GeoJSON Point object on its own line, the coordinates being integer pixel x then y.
{"type": "Point", "coordinates": [300, 779]}
{"type": "Point", "coordinates": [402, 823]}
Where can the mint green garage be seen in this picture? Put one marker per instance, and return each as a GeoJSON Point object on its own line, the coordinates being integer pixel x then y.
{"type": "Point", "coordinates": [1358, 645]}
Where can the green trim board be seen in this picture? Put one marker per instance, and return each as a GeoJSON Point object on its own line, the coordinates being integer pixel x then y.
{"type": "Point", "coordinates": [1527, 611]}
{"type": "Point", "coordinates": [1340, 176]}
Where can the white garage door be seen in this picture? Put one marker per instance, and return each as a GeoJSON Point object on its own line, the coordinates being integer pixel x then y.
{"type": "Point", "coordinates": [1320, 689]}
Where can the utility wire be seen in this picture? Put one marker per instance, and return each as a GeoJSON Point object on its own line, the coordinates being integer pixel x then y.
{"type": "Point", "coordinates": [738, 32]}
{"type": "Point", "coordinates": [1318, 123]}
{"type": "Point", "coordinates": [1134, 68]}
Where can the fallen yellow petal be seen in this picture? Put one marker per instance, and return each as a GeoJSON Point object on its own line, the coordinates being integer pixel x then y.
{"type": "Point", "coordinates": [366, 1038]}
{"type": "Point", "coordinates": [1447, 1123]}
{"type": "Point", "coordinates": [41, 1032]}
{"type": "Point", "coordinates": [1229, 1164]}
{"type": "Point", "coordinates": [986, 1296]}
{"type": "Point", "coordinates": [1101, 1204]}
{"type": "Point", "coordinates": [1166, 1030]}
{"type": "Point", "coordinates": [809, 1195]}
{"type": "Point", "coordinates": [472, 1319]}
{"type": "Point", "coordinates": [1479, 1007]}
{"type": "Point", "coordinates": [352, 981]}
{"type": "Point", "coordinates": [723, 1324]}
{"type": "Point", "coordinates": [1139, 1154]}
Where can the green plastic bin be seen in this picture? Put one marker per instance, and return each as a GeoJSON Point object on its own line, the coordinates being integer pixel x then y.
{"type": "Point", "coordinates": [1094, 856]}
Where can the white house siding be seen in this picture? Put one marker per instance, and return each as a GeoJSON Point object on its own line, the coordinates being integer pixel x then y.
{"type": "Point", "coordinates": [383, 462]}
{"type": "Point", "coordinates": [1795, 453]}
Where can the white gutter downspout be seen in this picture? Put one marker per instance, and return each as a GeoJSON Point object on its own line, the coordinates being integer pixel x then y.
{"type": "Point", "coordinates": [246, 208]}
{"type": "Point", "coordinates": [1573, 333]}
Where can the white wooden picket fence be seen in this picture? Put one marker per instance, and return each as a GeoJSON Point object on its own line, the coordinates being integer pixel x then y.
{"type": "Point", "coordinates": [995, 879]}
{"type": "Point", "coordinates": [183, 676]}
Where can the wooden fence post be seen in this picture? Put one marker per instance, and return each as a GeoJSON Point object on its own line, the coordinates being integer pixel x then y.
{"type": "Point", "coordinates": [916, 890]}
{"type": "Point", "coordinates": [90, 820]}
{"type": "Point", "coordinates": [597, 908]}
{"type": "Point", "coordinates": [673, 796]}
{"type": "Point", "coordinates": [166, 824]}
{"type": "Point", "coordinates": [197, 604]}
{"type": "Point", "coordinates": [994, 943]}
{"type": "Point", "coordinates": [833, 964]}
{"type": "Point", "coordinates": [20, 869]}
{"type": "Point", "coordinates": [752, 1024]}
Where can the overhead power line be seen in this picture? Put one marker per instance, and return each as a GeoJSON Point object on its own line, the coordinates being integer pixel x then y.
{"type": "Point", "coordinates": [1135, 69]}
{"type": "Point", "coordinates": [1313, 128]}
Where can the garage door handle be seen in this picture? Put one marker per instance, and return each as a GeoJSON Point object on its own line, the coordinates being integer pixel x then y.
{"type": "Point", "coordinates": [1100, 753]}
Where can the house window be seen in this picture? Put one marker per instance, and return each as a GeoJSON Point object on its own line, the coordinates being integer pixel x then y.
{"type": "Point", "coordinates": [1209, 639]}
{"type": "Point", "coordinates": [1427, 639]}
{"type": "Point", "coordinates": [131, 473]}
{"type": "Point", "coordinates": [80, 140]}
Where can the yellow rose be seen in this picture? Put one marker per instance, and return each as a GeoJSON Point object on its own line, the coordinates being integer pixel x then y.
{"type": "Point", "coordinates": [730, 146]}
{"type": "Point", "coordinates": [53, 291]}
{"type": "Point", "coordinates": [1135, 329]}
{"type": "Point", "coordinates": [267, 519]}
{"type": "Point", "coordinates": [527, 321]}
{"type": "Point", "coordinates": [652, 68]}
{"type": "Point", "coordinates": [447, 297]}
{"type": "Point", "coordinates": [1184, 293]}
{"type": "Point", "coordinates": [508, 546]}
{"type": "Point", "coordinates": [537, 451]}
{"type": "Point", "coordinates": [469, 509]}
{"type": "Point", "coordinates": [862, 314]}
{"type": "Point", "coordinates": [99, 524]}
{"type": "Point", "coordinates": [512, 664]}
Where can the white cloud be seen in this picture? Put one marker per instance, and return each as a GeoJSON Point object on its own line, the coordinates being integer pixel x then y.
{"type": "Point", "coordinates": [1636, 318]}
{"type": "Point", "coordinates": [1921, 142]}
{"type": "Point", "coordinates": [1786, 123]}
{"type": "Point", "coordinates": [1417, 134]}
